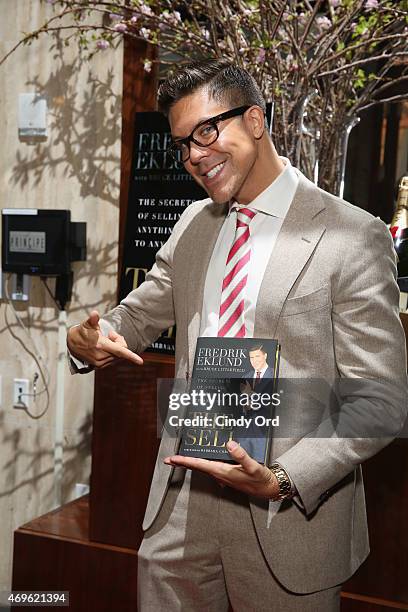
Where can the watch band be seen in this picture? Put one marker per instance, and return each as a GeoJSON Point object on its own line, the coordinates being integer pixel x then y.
{"type": "Point", "coordinates": [285, 485]}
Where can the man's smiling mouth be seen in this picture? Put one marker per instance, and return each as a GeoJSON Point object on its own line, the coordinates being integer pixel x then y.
{"type": "Point", "coordinates": [214, 171]}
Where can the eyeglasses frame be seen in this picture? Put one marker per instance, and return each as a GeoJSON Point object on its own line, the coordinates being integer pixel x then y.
{"type": "Point", "coordinates": [233, 112]}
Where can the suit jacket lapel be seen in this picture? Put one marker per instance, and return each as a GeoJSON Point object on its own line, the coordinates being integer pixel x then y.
{"type": "Point", "coordinates": [297, 239]}
{"type": "Point", "coordinates": [300, 232]}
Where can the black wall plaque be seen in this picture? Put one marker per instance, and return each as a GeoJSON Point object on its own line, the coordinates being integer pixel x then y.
{"type": "Point", "coordinates": [160, 189]}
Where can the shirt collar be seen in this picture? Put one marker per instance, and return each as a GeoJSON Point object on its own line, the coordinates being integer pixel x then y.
{"type": "Point", "coordinates": [262, 370]}
{"type": "Point", "coordinates": [275, 200]}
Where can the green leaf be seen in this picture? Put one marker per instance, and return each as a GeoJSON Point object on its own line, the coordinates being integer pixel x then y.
{"type": "Point", "coordinates": [360, 80]}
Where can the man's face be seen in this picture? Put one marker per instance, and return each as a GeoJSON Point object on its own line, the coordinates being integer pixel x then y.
{"type": "Point", "coordinates": [258, 359]}
{"type": "Point", "coordinates": [235, 151]}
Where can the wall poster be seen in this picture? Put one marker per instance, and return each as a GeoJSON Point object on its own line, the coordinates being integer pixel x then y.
{"type": "Point", "coordinates": [160, 189]}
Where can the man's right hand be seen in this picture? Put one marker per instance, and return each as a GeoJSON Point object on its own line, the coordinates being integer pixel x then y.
{"type": "Point", "coordinates": [86, 342]}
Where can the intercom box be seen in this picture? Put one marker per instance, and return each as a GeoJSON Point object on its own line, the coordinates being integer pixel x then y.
{"type": "Point", "coordinates": [40, 241]}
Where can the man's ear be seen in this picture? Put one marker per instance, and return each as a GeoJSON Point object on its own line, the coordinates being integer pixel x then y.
{"type": "Point", "coordinates": [256, 121]}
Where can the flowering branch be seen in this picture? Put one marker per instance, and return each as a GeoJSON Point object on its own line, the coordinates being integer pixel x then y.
{"type": "Point", "coordinates": [320, 63]}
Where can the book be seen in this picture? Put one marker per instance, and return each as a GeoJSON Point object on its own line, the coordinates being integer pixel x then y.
{"type": "Point", "coordinates": [232, 397]}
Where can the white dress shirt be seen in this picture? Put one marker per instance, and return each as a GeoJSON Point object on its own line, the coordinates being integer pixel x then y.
{"type": "Point", "coordinates": [261, 372]}
{"type": "Point", "coordinates": [271, 207]}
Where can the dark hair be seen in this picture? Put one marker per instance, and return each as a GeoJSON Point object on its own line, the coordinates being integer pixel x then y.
{"type": "Point", "coordinates": [257, 347]}
{"type": "Point", "coordinates": [224, 82]}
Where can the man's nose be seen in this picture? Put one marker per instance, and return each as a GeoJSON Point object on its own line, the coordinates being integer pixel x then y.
{"type": "Point", "coordinates": [197, 153]}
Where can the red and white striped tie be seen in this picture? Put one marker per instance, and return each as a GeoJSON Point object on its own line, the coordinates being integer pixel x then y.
{"type": "Point", "coordinates": [231, 319]}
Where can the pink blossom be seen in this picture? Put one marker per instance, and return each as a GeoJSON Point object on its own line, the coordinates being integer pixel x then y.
{"type": "Point", "coordinates": [146, 10]}
{"type": "Point", "coordinates": [144, 33]}
{"type": "Point", "coordinates": [133, 19]}
{"type": "Point", "coordinates": [323, 22]}
{"type": "Point", "coordinates": [115, 17]}
{"type": "Point", "coordinates": [371, 4]}
{"type": "Point", "coordinates": [120, 27]}
{"type": "Point", "coordinates": [335, 3]}
{"type": "Point", "coordinates": [173, 18]}
{"type": "Point", "coordinates": [147, 65]}
{"type": "Point", "coordinates": [102, 44]}
{"type": "Point", "coordinates": [261, 55]}
{"type": "Point", "coordinates": [290, 62]}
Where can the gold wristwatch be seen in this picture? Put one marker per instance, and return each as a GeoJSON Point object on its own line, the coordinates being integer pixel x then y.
{"type": "Point", "coordinates": [285, 485]}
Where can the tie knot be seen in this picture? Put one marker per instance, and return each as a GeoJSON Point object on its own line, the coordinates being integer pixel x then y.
{"type": "Point", "coordinates": [244, 216]}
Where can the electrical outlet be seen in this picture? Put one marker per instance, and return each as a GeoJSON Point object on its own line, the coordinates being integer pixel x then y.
{"type": "Point", "coordinates": [21, 390]}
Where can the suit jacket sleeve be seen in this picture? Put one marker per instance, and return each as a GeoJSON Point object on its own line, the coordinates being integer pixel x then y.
{"type": "Point", "coordinates": [369, 346]}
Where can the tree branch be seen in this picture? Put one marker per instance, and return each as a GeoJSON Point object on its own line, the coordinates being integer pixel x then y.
{"type": "Point", "coordinates": [383, 101]}
{"type": "Point", "coordinates": [365, 60]}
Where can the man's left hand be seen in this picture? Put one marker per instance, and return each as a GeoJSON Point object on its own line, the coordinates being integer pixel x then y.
{"type": "Point", "coordinates": [249, 476]}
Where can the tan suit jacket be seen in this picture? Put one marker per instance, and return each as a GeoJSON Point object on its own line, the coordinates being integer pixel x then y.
{"type": "Point", "coordinates": [329, 296]}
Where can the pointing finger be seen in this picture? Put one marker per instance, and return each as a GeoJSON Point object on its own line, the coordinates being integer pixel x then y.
{"type": "Point", "coordinates": [115, 337]}
{"type": "Point", "coordinates": [119, 351]}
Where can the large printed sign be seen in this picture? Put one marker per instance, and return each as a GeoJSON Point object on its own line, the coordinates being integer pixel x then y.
{"type": "Point", "coordinates": [160, 190]}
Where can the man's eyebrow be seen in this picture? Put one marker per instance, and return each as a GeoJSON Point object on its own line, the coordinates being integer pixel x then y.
{"type": "Point", "coordinates": [203, 120]}
{"type": "Point", "coordinates": [178, 137]}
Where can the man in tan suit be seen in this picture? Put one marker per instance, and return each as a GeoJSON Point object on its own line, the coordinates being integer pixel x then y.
{"type": "Point", "coordinates": [322, 281]}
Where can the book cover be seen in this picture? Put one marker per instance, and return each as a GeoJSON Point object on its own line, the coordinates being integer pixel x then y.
{"type": "Point", "coordinates": [232, 397]}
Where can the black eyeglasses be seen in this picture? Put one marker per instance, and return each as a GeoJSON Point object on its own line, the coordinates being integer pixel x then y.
{"type": "Point", "coordinates": [203, 135]}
